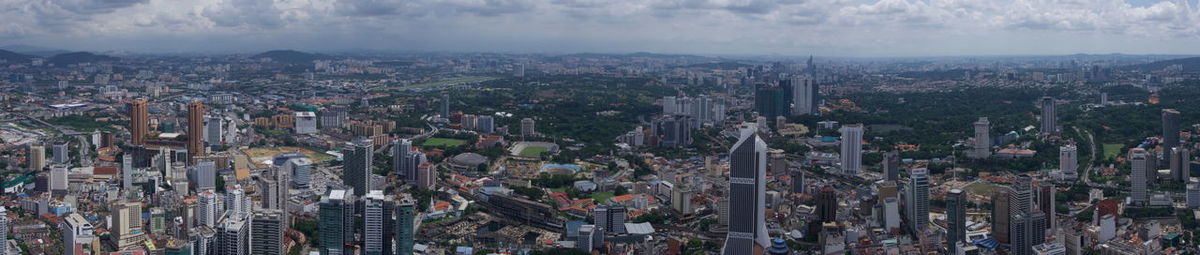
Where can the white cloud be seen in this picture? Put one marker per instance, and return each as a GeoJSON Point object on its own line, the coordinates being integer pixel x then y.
{"type": "Point", "coordinates": [840, 27]}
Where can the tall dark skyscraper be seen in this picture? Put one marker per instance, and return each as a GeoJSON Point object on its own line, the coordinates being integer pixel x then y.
{"type": "Point", "coordinates": [195, 142]}
{"type": "Point", "coordinates": [266, 232]}
{"type": "Point", "coordinates": [406, 212]}
{"type": "Point", "coordinates": [1170, 132]}
{"type": "Point", "coordinates": [747, 196]}
{"type": "Point", "coordinates": [770, 101]}
{"type": "Point", "coordinates": [1049, 116]}
{"type": "Point", "coordinates": [797, 181]}
{"type": "Point", "coordinates": [956, 219]}
{"type": "Point", "coordinates": [674, 131]}
{"type": "Point", "coordinates": [827, 204]}
{"type": "Point", "coordinates": [445, 105]}
{"type": "Point", "coordinates": [891, 165]}
{"type": "Point", "coordinates": [139, 121]}
{"type": "Point", "coordinates": [356, 169]}
{"type": "Point", "coordinates": [1000, 212]}
{"type": "Point", "coordinates": [1027, 222]}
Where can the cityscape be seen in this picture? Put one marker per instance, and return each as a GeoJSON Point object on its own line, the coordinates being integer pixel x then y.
{"type": "Point", "coordinates": [533, 127]}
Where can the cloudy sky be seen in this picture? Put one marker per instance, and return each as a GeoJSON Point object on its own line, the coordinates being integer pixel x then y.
{"type": "Point", "coordinates": [785, 27]}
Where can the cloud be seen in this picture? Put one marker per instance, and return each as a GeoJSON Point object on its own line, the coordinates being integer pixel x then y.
{"type": "Point", "coordinates": [698, 26]}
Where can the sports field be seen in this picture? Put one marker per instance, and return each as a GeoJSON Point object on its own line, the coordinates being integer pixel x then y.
{"type": "Point", "coordinates": [533, 151]}
{"type": "Point", "coordinates": [443, 142]}
{"type": "Point", "coordinates": [1112, 150]}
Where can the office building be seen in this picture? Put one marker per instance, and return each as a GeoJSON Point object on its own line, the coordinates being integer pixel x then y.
{"type": "Point", "coordinates": [918, 196]}
{"type": "Point", "coordinates": [527, 127]}
{"type": "Point", "coordinates": [76, 232]}
{"type": "Point", "coordinates": [1140, 174]}
{"type": "Point", "coordinates": [334, 118]}
{"type": "Point", "coordinates": [378, 225]}
{"type": "Point", "coordinates": [306, 123]}
{"type": "Point", "coordinates": [61, 154]}
{"type": "Point", "coordinates": [1170, 132]}
{"type": "Point", "coordinates": [195, 146]}
{"type": "Point", "coordinates": [139, 121]}
{"type": "Point", "coordinates": [267, 232]}
{"type": "Point", "coordinates": [301, 169]}
{"type": "Point", "coordinates": [427, 176]}
{"type": "Point", "coordinates": [336, 214]}
{"type": "Point", "coordinates": [233, 237]}
{"type": "Point", "coordinates": [610, 217]}
{"type": "Point", "coordinates": [674, 131]}
{"type": "Point", "coordinates": [126, 224]}
{"type": "Point", "coordinates": [590, 238]}
{"type": "Point", "coordinates": [797, 181]}
{"type": "Point", "coordinates": [445, 105]}
{"type": "Point", "coordinates": [1046, 202]}
{"type": "Point", "coordinates": [852, 135]}
{"type": "Point", "coordinates": [467, 121]}
{"type": "Point", "coordinates": [356, 169]}
{"type": "Point", "coordinates": [214, 129]}
{"type": "Point", "coordinates": [956, 219]}
{"type": "Point", "coordinates": [406, 212]}
{"type": "Point", "coordinates": [891, 165]}
{"type": "Point", "coordinates": [747, 196]}
{"type": "Point", "coordinates": [485, 124]}
{"type": "Point", "coordinates": [406, 160]}
{"type": "Point", "coordinates": [771, 101]}
{"type": "Point", "coordinates": [4, 224]}
{"type": "Point", "coordinates": [210, 207]}
{"type": "Point", "coordinates": [58, 179]}
{"type": "Point", "coordinates": [803, 95]}
{"type": "Point", "coordinates": [1193, 195]}
{"type": "Point", "coordinates": [1068, 162]}
{"type": "Point", "coordinates": [983, 139]}
{"type": "Point", "coordinates": [1049, 116]}
{"type": "Point", "coordinates": [1027, 221]}
{"type": "Point", "coordinates": [204, 175]}
{"type": "Point", "coordinates": [1181, 164]}
{"type": "Point", "coordinates": [37, 157]}
{"type": "Point", "coordinates": [237, 204]}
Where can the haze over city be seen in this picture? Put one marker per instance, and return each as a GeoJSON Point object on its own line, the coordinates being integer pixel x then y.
{"type": "Point", "coordinates": [863, 28]}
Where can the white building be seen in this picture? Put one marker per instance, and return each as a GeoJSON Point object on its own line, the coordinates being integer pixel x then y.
{"type": "Point", "coordinates": [306, 123]}
{"type": "Point", "coordinates": [852, 135]}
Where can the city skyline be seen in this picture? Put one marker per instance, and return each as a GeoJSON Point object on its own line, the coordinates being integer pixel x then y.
{"type": "Point", "coordinates": [764, 27]}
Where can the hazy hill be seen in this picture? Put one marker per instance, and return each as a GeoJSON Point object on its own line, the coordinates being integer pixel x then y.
{"type": "Point", "coordinates": [1191, 64]}
{"type": "Point", "coordinates": [290, 56]}
{"type": "Point", "coordinates": [13, 57]}
{"type": "Point", "coordinates": [79, 57]}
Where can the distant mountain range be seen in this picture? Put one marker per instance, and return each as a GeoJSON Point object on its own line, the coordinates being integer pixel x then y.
{"type": "Point", "coordinates": [1191, 64]}
{"type": "Point", "coordinates": [291, 56]}
{"type": "Point", "coordinates": [13, 57]}
{"type": "Point", "coordinates": [66, 59]}
{"type": "Point", "coordinates": [33, 50]}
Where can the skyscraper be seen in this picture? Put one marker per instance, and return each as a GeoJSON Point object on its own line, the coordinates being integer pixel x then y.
{"type": "Point", "coordinates": [485, 123]}
{"type": "Point", "coordinates": [852, 135]}
{"type": "Point", "coordinates": [336, 212]}
{"type": "Point", "coordinates": [827, 204]}
{"type": "Point", "coordinates": [213, 129]}
{"type": "Point", "coordinates": [204, 174]}
{"type": "Point", "coordinates": [956, 219]}
{"type": "Point", "coordinates": [1170, 132]}
{"type": "Point", "coordinates": [378, 226]}
{"type": "Point", "coordinates": [266, 232]}
{"type": "Point", "coordinates": [771, 101]}
{"type": "Point", "coordinates": [1181, 162]}
{"type": "Point", "coordinates": [209, 208]}
{"type": "Point", "coordinates": [406, 210]}
{"type": "Point", "coordinates": [1140, 173]}
{"type": "Point", "coordinates": [445, 105]}
{"type": "Point", "coordinates": [1049, 116]}
{"type": "Point", "coordinates": [4, 230]}
{"type": "Point", "coordinates": [237, 204]}
{"type": "Point", "coordinates": [803, 93]}
{"type": "Point", "coordinates": [233, 237]}
{"type": "Point", "coordinates": [1068, 161]}
{"type": "Point", "coordinates": [139, 121]}
{"type": "Point", "coordinates": [195, 144]}
{"type": "Point", "coordinates": [58, 179]}
{"type": "Point", "coordinates": [75, 231]}
{"type": "Point", "coordinates": [797, 181]}
{"type": "Point", "coordinates": [1000, 214]}
{"type": "Point", "coordinates": [406, 160]}
{"type": "Point", "coordinates": [1027, 221]}
{"type": "Point", "coordinates": [357, 167]}
{"type": "Point", "coordinates": [891, 165]}
{"type": "Point", "coordinates": [527, 127]}
{"type": "Point", "coordinates": [674, 131]}
{"type": "Point", "coordinates": [610, 217]}
{"type": "Point", "coordinates": [1045, 201]}
{"type": "Point", "coordinates": [127, 224]}
{"type": "Point", "coordinates": [747, 196]}
{"type": "Point", "coordinates": [918, 195]}
{"type": "Point", "coordinates": [983, 139]}
{"type": "Point", "coordinates": [61, 153]}
{"type": "Point", "coordinates": [37, 157]}
{"type": "Point", "coordinates": [127, 172]}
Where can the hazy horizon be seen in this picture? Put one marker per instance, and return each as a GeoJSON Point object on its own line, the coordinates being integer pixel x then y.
{"type": "Point", "coordinates": [850, 28]}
